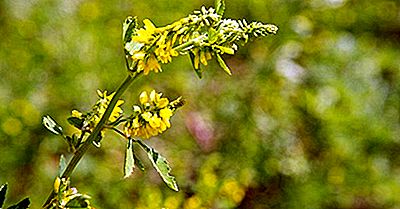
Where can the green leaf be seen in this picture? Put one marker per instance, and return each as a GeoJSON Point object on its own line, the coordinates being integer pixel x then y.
{"type": "Point", "coordinates": [138, 162]}
{"type": "Point", "coordinates": [3, 191]}
{"type": "Point", "coordinates": [161, 165]}
{"type": "Point", "coordinates": [23, 204]}
{"type": "Point", "coordinates": [221, 63]}
{"type": "Point", "coordinates": [77, 122]}
{"type": "Point", "coordinates": [62, 165]}
{"type": "Point", "coordinates": [128, 28]}
{"type": "Point", "coordinates": [220, 7]}
{"type": "Point", "coordinates": [198, 71]}
{"type": "Point", "coordinates": [51, 125]}
{"type": "Point", "coordinates": [129, 164]}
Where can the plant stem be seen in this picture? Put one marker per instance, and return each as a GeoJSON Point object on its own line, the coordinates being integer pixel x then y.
{"type": "Point", "coordinates": [85, 146]}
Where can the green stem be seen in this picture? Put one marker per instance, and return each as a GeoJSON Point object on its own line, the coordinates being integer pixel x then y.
{"type": "Point", "coordinates": [85, 146]}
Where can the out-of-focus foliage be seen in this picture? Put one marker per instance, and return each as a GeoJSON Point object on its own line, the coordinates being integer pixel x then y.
{"type": "Point", "coordinates": [309, 118]}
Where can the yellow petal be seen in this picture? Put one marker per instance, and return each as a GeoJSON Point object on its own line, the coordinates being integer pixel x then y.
{"type": "Point", "coordinates": [135, 123]}
{"type": "Point", "coordinates": [166, 113]}
{"type": "Point", "coordinates": [153, 96]}
{"type": "Point", "coordinates": [76, 114]}
{"type": "Point", "coordinates": [149, 25]}
{"type": "Point", "coordinates": [137, 109]}
{"type": "Point", "coordinates": [146, 116]}
{"type": "Point", "coordinates": [155, 122]}
{"type": "Point", "coordinates": [163, 102]}
{"type": "Point", "coordinates": [143, 98]}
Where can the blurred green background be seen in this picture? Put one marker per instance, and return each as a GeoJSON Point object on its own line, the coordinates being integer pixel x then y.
{"type": "Point", "coordinates": [309, 119]}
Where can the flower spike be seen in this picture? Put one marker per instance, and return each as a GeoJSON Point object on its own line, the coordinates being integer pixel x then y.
{"type": "Point", "coordinates": [203, 35]}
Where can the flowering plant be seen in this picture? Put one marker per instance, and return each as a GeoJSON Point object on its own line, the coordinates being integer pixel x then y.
{"type": "Point", "coordinates": [202, 35]}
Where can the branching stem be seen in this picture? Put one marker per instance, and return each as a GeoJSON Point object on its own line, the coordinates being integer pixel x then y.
{"type": "Point", "coordinates": [85, 146]}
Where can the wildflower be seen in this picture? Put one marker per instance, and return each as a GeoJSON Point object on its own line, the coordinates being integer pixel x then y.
{"type": "Point", "coordinates": [151, 64]}
{"type": "Point", "coordinates": [87, 121]}
{"type": "Point", "coordinates": [152, 116]}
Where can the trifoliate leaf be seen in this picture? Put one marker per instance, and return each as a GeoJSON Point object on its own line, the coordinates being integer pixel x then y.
{"type": "Point", "coordinates": [221, 63]}
{"type": "Point", "coordinates": [161, 165]}
{"type": "Point", "coordinates": [220, 7]}
{"type": "Point", "coordinates": [51, 125]}
{"type": "Point", "coordinates": [129, 164]}
{"type": "Point", "coordinates": [23, 204]}
{"type": "Point", "coordinates": [62, 165]}
{"type": "Point", "coordinates": [3, 191]}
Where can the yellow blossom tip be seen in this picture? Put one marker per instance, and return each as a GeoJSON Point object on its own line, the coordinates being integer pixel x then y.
{"type": "Point", "coordinates": [148, 24]}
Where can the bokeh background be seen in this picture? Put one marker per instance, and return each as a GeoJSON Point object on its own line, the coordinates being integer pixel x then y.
{"type": "Point", "coordinates": [309, 119]}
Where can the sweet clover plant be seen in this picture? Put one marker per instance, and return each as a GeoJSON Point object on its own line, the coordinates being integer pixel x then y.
{"type": "Point", "coordinates": [202, 36]}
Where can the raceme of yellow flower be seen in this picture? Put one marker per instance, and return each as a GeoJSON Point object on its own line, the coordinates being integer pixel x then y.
{"type": "Point", "coordinates": [202, 35]}
{"type": "Point", "coordinates": [152, 116]}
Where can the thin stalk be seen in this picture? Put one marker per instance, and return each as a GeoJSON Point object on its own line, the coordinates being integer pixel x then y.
{"type": "Point", "coordinates": [85, 146]}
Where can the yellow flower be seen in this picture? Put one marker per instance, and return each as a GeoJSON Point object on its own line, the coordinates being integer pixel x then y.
{"type": "Point", "coordinates": [164, 50]}
{"type": "Point", "coordinates": [145, 35]}
{"type": "Point", "coordinates": [152, 116]}
{"type": "Point", "coordinates": [152, 65]}
{"type": "Point", "coordinates": [76, 114]}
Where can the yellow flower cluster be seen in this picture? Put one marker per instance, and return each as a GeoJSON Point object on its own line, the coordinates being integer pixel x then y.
{"type": "Point", "coordinates": [151, 117]}
{"type": "Point", "coordinates": [202, 35]}
{"type": "Point", "coordinates": [163, 52]}
{"type": "Point", "coordinates": [92, 118]}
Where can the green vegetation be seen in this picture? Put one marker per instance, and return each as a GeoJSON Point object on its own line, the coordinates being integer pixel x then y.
{"type": "Point", "coordinates": [308, 119]}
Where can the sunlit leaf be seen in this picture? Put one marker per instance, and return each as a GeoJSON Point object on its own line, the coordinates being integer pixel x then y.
{"type": "Point", "coordinates": [221, 63]}
{"type": "Point", "coordinates": [129, 164]}
{"type": "Point", "coordinates": [52, 125]}
{"type": "Point", "coordinates": [161, 165]}
{"type": "Point", "coordinates": [220, 7]}
{"type": "Point", "coordinates": [3, 191]}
